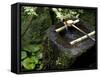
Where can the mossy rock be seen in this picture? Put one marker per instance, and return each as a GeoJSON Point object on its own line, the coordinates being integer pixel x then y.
{"type": "Point", "coordinates": [59, 54]}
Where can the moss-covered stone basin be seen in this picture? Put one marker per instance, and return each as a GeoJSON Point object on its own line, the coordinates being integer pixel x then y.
{"type": "Point", "coordinates": [63, 54]}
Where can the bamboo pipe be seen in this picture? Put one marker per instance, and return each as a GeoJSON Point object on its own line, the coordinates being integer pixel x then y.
{"type": "Point", "coordinates": [60, 29]}
{"type": "Point", "coordinates": [69, 22]}
{"type": "Point", "coordinates": [82, 38]}
{"type": "Point", "coordinates": [82, 32]}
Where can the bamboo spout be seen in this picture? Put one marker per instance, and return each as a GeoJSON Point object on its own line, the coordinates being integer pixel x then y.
{"type": "Point", "coordinates": [82, 32]}
{"type": "Point", "coordinates": [69, 22]}
{"type": "Point", "coordinates": [82, 38]}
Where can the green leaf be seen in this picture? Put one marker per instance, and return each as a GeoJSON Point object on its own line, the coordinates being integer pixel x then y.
{"type": "Point", "coordinates": [36, 48]}
{"type": "Point", "coordinates": [32, 48]}
{"type": "Point", "coordinates": [41, 66]}
{"type": "Point", "coordinates": [28, 63]}
{"type": "Point", "coordinates": [23, 54]}
{"type": "Point", "coordinates": [35, 59]}
{"type": "Point", "coordinates": [30, 10]}
{"type": "Point", "coordinates": [39, 55]}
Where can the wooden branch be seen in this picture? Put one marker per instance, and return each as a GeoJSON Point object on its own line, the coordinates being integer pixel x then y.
{"type": "Point", "coordinates": [69, 22]}
{"type": "Point", "coordinates": [82, 38]}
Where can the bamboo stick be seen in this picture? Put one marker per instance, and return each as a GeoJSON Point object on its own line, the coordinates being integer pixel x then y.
{"type": "Point", "coordinates": [82, 32]}
{"type": "Point", "coordinates": [76, 21]}
{"type": "Point", "coordinates": [82, 38]}
{"type": "Point", "coordinates": [68, 22]}
{"type": "Point", "coordinates": [60, 29]}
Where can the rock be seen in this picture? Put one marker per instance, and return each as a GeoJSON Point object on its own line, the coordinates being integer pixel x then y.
{"type": "Point", "coordinates": [62, 54]}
